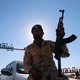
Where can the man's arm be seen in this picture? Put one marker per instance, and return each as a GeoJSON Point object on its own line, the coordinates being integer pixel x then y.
{"type": "Point", "coordinates": [27, 61]}
{"type": "Point", "coordinates": [65, 51]}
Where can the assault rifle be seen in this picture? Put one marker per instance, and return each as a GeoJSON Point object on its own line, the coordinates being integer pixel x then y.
{"type": "Point", "coordinates": [61, 41]}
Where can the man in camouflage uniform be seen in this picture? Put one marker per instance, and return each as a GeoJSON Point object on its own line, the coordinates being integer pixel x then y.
{"type": "Point", "coordinates": [38, 59]}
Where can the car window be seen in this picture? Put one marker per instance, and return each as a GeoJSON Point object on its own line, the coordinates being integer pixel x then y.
{"type": "Point", "coordinates": [9, 65]}
{"type": "Point", "coordinates": [20, 68]}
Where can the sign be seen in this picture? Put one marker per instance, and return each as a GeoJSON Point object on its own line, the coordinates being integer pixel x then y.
{"type": "Point", "coordinates": [71, 70]}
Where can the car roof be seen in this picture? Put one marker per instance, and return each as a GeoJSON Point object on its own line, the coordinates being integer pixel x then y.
{"type": "Point", "coordinates": [17, 62]}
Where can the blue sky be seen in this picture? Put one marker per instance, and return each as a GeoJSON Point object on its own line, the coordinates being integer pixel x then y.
{"type": "Point", "coordinates": [18, 16]}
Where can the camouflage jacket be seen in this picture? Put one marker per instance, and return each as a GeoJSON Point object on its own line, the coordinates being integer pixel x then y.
{"type": "Point", "coordinates": [41, 57]}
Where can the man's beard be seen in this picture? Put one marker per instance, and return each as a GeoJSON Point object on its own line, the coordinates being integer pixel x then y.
{"type": "Point", "coordinates": [37, 37]}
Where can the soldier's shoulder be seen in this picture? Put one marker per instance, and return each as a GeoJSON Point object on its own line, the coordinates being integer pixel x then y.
{"type": "Point", "coordinates": [29, 46]}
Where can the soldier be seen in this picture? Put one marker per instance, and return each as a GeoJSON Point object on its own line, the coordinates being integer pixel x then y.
{"type": "Point", "coordinates": [38, 59]}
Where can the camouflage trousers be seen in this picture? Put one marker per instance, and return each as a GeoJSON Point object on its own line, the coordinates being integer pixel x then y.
{"type": "Point", "coordinates": [49, 74]}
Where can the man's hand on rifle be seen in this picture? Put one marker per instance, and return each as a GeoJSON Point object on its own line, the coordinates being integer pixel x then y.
{"type": "Point", "coordinates": [60, 30]}
{"type": "Point", "coordinates": [35, 73]}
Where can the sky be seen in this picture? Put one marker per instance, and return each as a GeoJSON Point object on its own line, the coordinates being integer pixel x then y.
{"type": "Point", "coordinates": [18, 16]}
